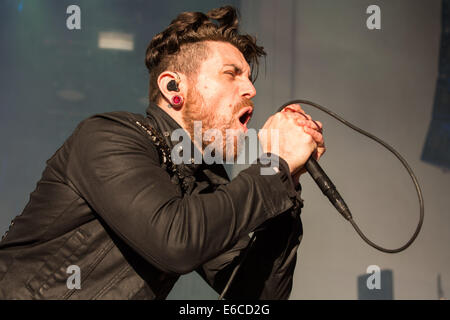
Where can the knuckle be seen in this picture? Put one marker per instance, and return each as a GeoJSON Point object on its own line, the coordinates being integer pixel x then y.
{"type": "Point", "coordinates": [294, 107]}
{"type": "Point", "coordinates": [316, 136]}
{"type": "Point", "coordinates": [308, 138]}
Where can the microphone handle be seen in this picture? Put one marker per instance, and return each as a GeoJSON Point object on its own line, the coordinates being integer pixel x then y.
{"type": "Point", "coordinates": [327, 187]}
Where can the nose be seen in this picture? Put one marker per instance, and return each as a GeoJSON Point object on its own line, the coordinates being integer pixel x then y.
{"type": "Point", "coordinates": [248, 90]}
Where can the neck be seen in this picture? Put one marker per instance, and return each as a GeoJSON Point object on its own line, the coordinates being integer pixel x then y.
{"type": "Point", "coordinates": [173, 113]}
{"type": "Point", "coordinates": [177, 116]}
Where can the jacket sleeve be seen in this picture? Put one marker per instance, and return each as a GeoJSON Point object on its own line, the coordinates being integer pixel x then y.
{"type": "Point", "coordinates": [267, 270]}
{"type": "Point", "coordinates": [116, 169]}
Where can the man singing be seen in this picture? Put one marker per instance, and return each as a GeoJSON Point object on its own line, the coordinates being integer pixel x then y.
{"type": "Point", "coordinates": [114, 207]}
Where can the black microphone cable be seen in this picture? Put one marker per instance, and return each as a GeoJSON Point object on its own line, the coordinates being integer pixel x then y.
{"type": "Point", "coordinates": [329, 190]}
{"type": "Point", "coordinates": [391, 149]}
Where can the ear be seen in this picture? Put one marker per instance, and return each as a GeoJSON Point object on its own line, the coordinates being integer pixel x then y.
{"type": "Point", "coordinates": [165, 77]}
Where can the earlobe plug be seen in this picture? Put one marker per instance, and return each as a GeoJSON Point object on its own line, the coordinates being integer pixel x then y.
{"type": "Point", "coordinates": [176, 101]}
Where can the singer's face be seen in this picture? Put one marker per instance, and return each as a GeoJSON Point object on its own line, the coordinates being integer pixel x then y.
{"type": "Point", "coordinates": [220, 96]}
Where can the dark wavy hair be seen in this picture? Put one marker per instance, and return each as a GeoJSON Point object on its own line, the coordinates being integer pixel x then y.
{"type": "Point", "coordinates": [181, 46]}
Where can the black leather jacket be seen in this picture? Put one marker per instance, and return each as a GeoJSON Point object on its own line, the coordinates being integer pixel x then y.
{"type": "Point", "coordinates": [106, 204]}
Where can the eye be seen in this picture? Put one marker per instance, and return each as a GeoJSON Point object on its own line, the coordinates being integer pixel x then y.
{"type": "Point", "coordinates": [231, 73]}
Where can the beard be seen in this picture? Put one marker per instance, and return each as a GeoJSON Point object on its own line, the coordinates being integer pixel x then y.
{"type": "Point", "coordinates": [195, 109]}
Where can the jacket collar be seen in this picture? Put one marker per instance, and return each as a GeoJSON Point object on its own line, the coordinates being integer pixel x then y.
{"type": "Point", "coordinates": [166, 125]}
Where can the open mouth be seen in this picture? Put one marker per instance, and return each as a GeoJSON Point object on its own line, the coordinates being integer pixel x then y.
{"type": "Point", "coordinates": [244, 116]}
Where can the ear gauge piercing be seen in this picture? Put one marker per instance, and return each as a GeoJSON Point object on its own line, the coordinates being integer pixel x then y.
{"type": "Point", "coordinates": [176, 101]}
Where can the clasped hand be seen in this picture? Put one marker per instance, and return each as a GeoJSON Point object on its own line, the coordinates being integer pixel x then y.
{"type": "Point", "coordinates": [299, 137]}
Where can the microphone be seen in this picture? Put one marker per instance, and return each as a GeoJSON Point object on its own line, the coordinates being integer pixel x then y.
{"type": "Point", "coordinates": [325, 184]}
{"type": "Point", "coordinates": [335, 198]}
{"type": "Point", "coordinates": [327, 187]}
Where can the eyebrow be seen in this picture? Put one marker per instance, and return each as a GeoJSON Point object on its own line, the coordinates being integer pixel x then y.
{"type": "Point", "coordinates": [237, 69]}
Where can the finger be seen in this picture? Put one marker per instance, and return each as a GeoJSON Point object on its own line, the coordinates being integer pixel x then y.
{"type": "Point", "coordinates": [305, 123]}
{"type": "Point", "coordinates": [321, 150]}
{"type": "Point", "coordinates": [319, 153]}
{"type": "Point", "coordinates": [316, 125]}
{"type": "Point", "coordinates": [294, 108]}
{"type": "Point", "coordinates": [317, 136]}
{"type": "Point", "coordinates": [297, 115]}
{"type": "Point", "coordinates": [297, 109]}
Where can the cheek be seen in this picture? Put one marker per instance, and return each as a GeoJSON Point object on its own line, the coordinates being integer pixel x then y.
{"type": "Point", "coordinates": [218, 99]}
{"type": "Point", "coordinates": [207, 88]}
